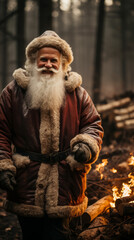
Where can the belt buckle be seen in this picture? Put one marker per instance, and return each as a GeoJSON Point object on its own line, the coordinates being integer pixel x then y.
{"type": "Point", "coordinates": [53, 158]}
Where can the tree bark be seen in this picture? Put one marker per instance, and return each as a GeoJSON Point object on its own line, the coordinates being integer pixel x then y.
{"type": "Point", "coordinates": [98, 53]}
{"type": "Point", "coordinates": [4, 49]}
{"type": "Point", "coordinates": [45, 15]}
{"type": "Point", "coordinates": [21, 33]}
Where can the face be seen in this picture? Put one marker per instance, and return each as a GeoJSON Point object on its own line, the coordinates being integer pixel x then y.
{"type": "Point", "coordinates": [49, 58]}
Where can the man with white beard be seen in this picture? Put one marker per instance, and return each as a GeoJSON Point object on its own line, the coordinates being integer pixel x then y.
{"type": "Point", "coordinates": [50, 134]}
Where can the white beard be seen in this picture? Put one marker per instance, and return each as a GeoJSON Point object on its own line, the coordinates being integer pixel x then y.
{"type": "Point", "coordinates": [45, 91]}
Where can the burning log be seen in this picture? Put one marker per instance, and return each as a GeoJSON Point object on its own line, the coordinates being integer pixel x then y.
{"type": "Point", "coordinates": [125, 209]}
{"type": "Point", "coordinates": [125, 206]}
{"type": "Point", "coordinates": [124, 200]}
{"type": "Point", "coordinates": [96, 209]}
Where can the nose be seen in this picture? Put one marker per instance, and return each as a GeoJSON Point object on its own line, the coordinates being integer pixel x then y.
{"type": "Point", "coordinates": [48, 64]}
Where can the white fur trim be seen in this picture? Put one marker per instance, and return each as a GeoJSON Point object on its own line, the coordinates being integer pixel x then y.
{"type": "Point", "coordinates": [68, 211]}
{"type": "Point", "coordinates": [49, 41]}
{"type": "Point", "coordinates": [41, 184]}
{"type": "Point", "coordinates": [90, 141]}
{"type": "Point", "coordinates": [23, 209]}
{"type": "Point", "coordinates": [74, 165]}
{"type": "Point", "coordinates": [74, 81]}
{"type": "Point", "coordinates": [20, 161]}
{"type": "Point", "coordinates": [55, 129]}
{"type": "Point", "coordinates": [45, 132]}
{"type": "Point", "coordinates": [7, 164]}
{"type": "Point", "coordinates": [52, 189]}
{"type": "Point", "coordinates": [21, 78]}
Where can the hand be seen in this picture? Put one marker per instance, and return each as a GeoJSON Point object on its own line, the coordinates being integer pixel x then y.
{"type": "Point", "coordinates": [7, 180]}
{"type": "Point", "coordinates": [82, 153]}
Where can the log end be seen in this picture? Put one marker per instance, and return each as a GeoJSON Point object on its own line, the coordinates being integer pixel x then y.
{"type": "Point", "coordinates": [86, 219]}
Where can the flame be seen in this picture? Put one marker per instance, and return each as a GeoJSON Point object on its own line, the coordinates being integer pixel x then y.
{"type": "Point", "coordinates": [131, 160]}
{"type": "Point", "coordinates": [113, 170]}
{"type": "Point", "coordinates": [126, 188]}
{"type": "Point", "coordinates": [100, 167]}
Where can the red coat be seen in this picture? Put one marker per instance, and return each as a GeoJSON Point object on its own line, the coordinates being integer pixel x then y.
{"type": "Point", "coordinates": [58, 188]}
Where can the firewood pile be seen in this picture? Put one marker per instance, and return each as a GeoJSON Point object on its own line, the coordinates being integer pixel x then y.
{"type": "Point", "coordinates": [117, 115]}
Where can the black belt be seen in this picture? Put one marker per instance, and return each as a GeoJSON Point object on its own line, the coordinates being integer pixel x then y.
{"type": "Point", "coordinates": [44, 158]}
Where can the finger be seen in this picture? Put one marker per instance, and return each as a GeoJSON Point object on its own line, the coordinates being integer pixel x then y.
{"type": "Point", "coordinates": [6, 185]}
{"type": "Point", "coordinates": [75, 148]}
{"type": "Point", "coordinates": [13, 181]}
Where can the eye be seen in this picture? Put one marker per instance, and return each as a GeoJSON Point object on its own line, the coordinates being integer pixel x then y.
{"type": "Point", "coordinates": [43, 59]}
{"type": "Point", "coordinates": [54, 60]}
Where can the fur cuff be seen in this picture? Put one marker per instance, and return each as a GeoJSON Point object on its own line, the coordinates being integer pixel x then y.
{"type": "Point", "coordinates": [68, 211]}
{"type": "Point", "coordinates": [7, 164]}
{"type": "Point", "coordinates": [74, 165]}
{"type": "Point", "coordinates": [20, 161]}
{"type": "Point", "coordinates": [23, 209]}
{"type": "Point", "coordinates": [90, 141]}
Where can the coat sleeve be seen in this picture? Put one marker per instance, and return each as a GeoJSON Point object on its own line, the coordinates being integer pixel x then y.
{"type": "Point", "coordinates": [6, 131]}
{"type": "Point", "coordinates": [91, 131]}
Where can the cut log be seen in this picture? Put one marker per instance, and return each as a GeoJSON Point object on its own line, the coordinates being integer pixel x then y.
{"type": "Point", "coordinates": [125, 209]}
{"type": "Point", "coordinates": [96, 209]}
{"type": "Point", "coordinates": [96, 227]}
{"type": "Point", "coordinates": [123, 117]}
{"type": "Point", "coordinates": [124, 200]}
{"type": "Point", "coordinates": [127, 124]}
{"type": "Point", "coordinates": [127, 110]}
{"type": "Point", "coordinates": [106, 107]}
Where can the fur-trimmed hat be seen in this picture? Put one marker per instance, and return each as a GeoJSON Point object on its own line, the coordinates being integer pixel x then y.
{"type": "Point", "coordinates": [49, 39]}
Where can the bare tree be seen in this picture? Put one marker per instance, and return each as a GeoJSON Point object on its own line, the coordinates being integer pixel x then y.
{"type": "Point", "coordinates": [98, 52]}
{"type": "Point", "coordinates": [123, 42]}
{"type": "Point", "coordinates": [21, 33]}
{"type": "Point", "coordinates": [45, 15]}
{"type": "Point", "coordinates": [4, 48]}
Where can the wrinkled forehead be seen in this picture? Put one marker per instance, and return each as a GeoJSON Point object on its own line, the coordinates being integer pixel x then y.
{"type": "Point", "coordinates": [49, 51]}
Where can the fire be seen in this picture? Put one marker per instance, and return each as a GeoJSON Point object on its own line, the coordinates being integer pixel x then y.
{"type": "Point", "coordinates": [113, 170]}
{"type": "Point", "coordinates": [131, 160]}
{"type": "Point", "coordinates": [125, 191]}
{"type": "Point", "coordinates": [100, 167]}
{"type": "Point", "coordinates": [126, 188]}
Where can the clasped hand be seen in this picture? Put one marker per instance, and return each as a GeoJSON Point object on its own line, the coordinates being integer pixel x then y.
{"type": "Point", "coordinates": [7, 180]}
{"type": "Point", "coordinates": [81, 153]}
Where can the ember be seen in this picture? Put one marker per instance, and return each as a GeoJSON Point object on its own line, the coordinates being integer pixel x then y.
{"type": "Point", "coordinates": [113, 170]}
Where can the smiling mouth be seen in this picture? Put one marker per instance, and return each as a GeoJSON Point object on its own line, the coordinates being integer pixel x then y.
{"type": "Point", "coordinates": [47, 72]}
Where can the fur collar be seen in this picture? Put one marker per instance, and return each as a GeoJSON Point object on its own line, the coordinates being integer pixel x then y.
{"type": "Point", "coordinates": [74, 79]}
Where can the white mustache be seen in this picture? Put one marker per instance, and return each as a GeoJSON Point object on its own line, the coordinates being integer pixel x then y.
{"type": "Point", "coordinates": [46, 69]}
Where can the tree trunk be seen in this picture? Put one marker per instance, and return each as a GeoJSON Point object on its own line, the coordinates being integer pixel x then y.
{"type": "Point", "coordinates": [21, 33]}
{"type": "Point", "coordinates": [98, 53]}
{"type": "Point", "coordinates": [45, 15]}
{"type": "Point", "coordinates": [123, 44]}
{"type": "Point", "coordinates": [4, 49]}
